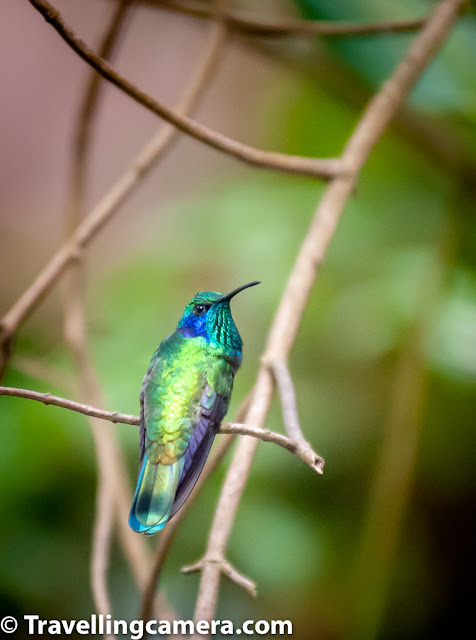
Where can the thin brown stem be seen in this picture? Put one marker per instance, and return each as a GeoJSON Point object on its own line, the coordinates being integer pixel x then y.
{"type": "Point", "coordinates": [6, 349]}
{"type": "Point", "coordinates": [300, 446]}
{"type": "Point", "coordinates": [230, 428]}
{"type": "Point", "coordinates": [288, 317]}
{"type": "Point", "coordinates": [64, 403]}
{"type": "Point", "coordinates": [323, 168]}
{"type": "Point", "coordinates": [271, 28]}
{"type": "Point", "coordinates": [440, 142]}
{"type": "Point", "coordinates": [288, 399]}
{"type": "Point", "coordinates": [301, 450]}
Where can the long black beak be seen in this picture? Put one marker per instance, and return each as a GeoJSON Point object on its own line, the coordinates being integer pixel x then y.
{"type": "Point", "coordinates": [229, 296]}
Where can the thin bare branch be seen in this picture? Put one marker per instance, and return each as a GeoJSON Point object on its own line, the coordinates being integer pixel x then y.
{"type": "Point", "coordinates": [231, 428]}
{"type": "Point", "coordinates": [288, 317]}
{"type": "Point", "coordinates": [287, 394]}
{"type": "Point", "coordinates": [439, 141]}
{"type": "Point", "coordinates": [114, 492]}
{"type": "Point", "coordinates": [324, 168]}
{"type": "Point", "coordinates": [297, 442]}
{"type": "Point", "coordinates": [86, 410]}
{"type": "Point", "coordinates": [272, 28]}
{"type": "Point", "coordinates": [71, 250]}
{"type": "Point", "coordinates": [300, 449]}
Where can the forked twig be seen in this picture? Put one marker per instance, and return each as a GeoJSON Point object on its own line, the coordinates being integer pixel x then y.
{"type": "Point", "coordinates": [227, 569]}
{"type": "Point", "coordinates": [301, 446]}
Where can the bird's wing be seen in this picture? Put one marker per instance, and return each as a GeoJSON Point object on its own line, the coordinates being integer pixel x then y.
{"type": "Point", "coordinates": [213, 408]}
{"type": "Point", "coordinates": [143, 429]}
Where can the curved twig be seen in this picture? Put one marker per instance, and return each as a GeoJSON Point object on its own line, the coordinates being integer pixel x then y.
{"type": "Point", "coordinates": [280, 370]}
{"type": "Point", "coordinates": [324, 168]}
{"type": "Point", "coordinates": [64, 403]}
{"type": "Point", "coordinates": [308, 456]}
{"type": "Point", "coordinates": [300, 449]}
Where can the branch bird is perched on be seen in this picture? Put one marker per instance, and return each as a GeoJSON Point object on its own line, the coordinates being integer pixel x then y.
{"type": "Point", "coordinates": [184, 397]}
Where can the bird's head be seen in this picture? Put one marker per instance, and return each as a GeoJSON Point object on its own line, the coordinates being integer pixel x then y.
{"type": "Point", "coordinates": [208, 314]}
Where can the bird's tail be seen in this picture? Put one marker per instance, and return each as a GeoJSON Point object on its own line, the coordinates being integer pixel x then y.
{"type": "Point", "coordinates": [154, 496]}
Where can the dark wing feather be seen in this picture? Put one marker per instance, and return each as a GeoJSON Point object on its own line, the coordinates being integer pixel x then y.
{"type": "Point", "coordinates": [199, 445]}
{"type": "Point", "coordinates": [143, 430]}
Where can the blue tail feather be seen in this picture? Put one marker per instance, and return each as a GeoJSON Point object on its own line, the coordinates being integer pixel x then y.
{"type": "Point", "coordinates": [154, 496]}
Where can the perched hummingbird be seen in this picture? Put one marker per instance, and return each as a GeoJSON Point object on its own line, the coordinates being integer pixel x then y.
{"type": "Point", "coordinates": [184, 397]}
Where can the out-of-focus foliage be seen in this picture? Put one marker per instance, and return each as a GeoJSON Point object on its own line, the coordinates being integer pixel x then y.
{"type": "Point", "coordinates": [398, 285]}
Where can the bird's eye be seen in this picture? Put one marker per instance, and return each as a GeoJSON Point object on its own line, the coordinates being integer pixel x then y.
{"type": "Point", "coordinates": [200, 309]}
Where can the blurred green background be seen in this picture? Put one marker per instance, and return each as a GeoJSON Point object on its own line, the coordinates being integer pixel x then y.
{"type": "Point", "coordinates": [382, 546]}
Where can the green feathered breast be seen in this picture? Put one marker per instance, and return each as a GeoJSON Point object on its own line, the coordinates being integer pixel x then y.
{"type": "Point", "coordinates": [171, 398]}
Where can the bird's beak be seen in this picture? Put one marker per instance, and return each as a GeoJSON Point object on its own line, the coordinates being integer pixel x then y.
{"type": "Point", "coordinates": [229, 296]}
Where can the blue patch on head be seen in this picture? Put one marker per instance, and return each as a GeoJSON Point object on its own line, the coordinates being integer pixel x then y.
{"type": "Point", "coordinates": [192, 326]}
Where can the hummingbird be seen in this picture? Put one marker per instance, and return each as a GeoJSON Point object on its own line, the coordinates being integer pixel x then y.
{"type": "Point", "coordinates": [184, 397]}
